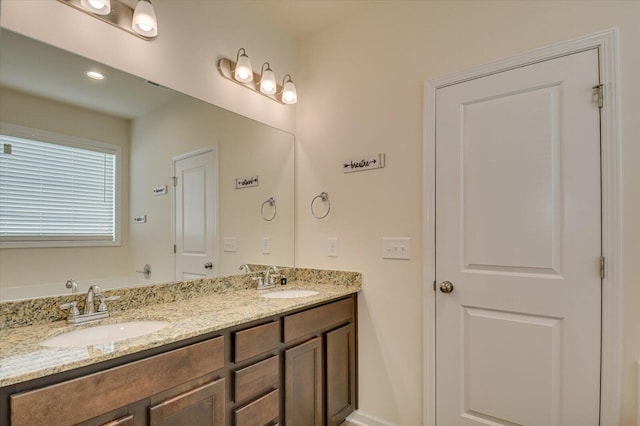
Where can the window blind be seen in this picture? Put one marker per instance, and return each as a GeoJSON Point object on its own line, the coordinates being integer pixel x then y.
{"type": "Point", "coordinates": [51, 192]}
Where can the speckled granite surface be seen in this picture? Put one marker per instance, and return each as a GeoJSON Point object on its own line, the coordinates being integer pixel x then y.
{"type": "Point", "coordinates": [192, 308]}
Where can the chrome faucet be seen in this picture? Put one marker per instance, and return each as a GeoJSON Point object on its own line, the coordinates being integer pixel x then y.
{"type": "Point", "coordinates": [89, 305]}
{"type": "Point", "coordinates": [71, 283]}
{"type": "Point", "coordinates": [245, 268]}
{"type": "Point", "coordinates": [268, 279]}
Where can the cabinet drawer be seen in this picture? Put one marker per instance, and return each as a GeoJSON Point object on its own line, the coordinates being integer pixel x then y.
{"type": "Point", "coordinates": [313, 320]}
{"type": "Point", "coordinates": [260, 412]}
{"type": "Point", "coordinates": [253, 380]}
{"type": "Point", "coordinates": [256, 340]}
{"type": "Point", "coordinates": [205, 403]}
{"type": "Point", "coordinates": [100, 392]}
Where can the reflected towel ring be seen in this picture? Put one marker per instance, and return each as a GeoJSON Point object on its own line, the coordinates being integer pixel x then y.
{"type": "Point", "coordinates": [324, 197]}
{"type": "Point", "coordinates": [272, 202]}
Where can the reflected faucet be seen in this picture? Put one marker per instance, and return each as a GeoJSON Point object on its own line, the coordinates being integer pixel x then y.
{"type": "Point", "coordinates": [71, 283]}
{"type": "Point", "coordinates": [89, 306]}
{"type": "Point", "coordinates": [245, 268]}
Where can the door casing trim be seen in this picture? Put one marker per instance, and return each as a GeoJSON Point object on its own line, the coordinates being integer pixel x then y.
{"type": "Point", "coordinates": [611, 353]}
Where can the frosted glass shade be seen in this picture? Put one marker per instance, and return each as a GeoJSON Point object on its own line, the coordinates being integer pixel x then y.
{"type": "Point", "coordinates": [99, 7]}
{"type": "Point", "coordinates": [144, 19]}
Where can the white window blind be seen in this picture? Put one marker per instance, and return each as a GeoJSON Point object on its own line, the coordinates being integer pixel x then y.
{"type": "Point", "coordinates": [51, 192]}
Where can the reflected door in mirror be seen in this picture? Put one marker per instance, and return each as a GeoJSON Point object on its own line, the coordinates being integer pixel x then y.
{"type": "Point", "coordinates": [195, 212]}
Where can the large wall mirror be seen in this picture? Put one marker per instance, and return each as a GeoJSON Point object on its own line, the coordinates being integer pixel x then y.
{"type": "Point", "coordinates": [232, 202]}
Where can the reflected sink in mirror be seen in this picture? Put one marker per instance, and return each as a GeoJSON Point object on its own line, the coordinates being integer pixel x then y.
{"type": "Point", "coordinates": [289, 294]}
{"type": "Point", "coordinates": [102, 334]}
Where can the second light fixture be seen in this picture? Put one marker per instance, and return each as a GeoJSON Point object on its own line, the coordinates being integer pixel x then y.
{"type": "Point", "coordinates": [241, 72]}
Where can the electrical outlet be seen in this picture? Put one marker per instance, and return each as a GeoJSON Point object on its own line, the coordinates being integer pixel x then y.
{"type": "Point", "coordinates": [266, 245]}
{"type": "Point", "coordinates": [332, 247]}
{"type": "Point", "coordinates": [396, 248]}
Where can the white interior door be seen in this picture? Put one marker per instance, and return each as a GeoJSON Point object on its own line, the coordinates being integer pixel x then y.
{"type": "Point", "coordinates": [195, 215]}
{"type": "Point", "coordinates": [518, 234]}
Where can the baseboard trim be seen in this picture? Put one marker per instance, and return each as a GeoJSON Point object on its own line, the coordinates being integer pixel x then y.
{"type": "Point", "coordinates": [360, 418]}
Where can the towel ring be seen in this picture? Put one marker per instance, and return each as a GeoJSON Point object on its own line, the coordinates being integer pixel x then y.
{"type": "Point", "coordinates": [323, 196]}
{"type": "Point", "coordinates": [272, 202]}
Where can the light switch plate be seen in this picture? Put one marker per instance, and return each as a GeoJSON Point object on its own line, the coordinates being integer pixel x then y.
{"type": "Point", "coordinates": [332, 247]}
{"type": "Point", "coordinates": [230, 244]}
{"type": "Point", "coordinates": [396, 248]}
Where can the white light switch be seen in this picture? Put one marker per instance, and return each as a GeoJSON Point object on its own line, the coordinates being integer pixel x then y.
{"type": "Point", "coordinates": [396, 248]}
{"type": "Point", "coordinates": [230, 244]}
{"type": "Point", "coordinates": [332, 247]}
{"type": "Point", "coordinates": [266, 245]}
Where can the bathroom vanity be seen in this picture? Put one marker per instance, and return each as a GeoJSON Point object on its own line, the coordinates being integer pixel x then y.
{"type": "Point", "coordinates": [273, 361]}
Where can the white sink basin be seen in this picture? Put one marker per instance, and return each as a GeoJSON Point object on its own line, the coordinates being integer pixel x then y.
{"type": "Point", "coordinates": [102, 334]}
{"type": "Point", "coordinates": [289, 294]}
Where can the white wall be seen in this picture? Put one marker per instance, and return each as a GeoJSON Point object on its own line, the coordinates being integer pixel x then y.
{"type": "Point", "coordinates": [360, 89]}
{"type": "Point", "coordinates": [192, 33]}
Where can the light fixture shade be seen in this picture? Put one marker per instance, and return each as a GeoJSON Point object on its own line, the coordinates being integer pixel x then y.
{"type": "Point", "coordinates": [289, 94]}
{"type": "Point", "coordinates": [99, 7]}
{"type": "Point", "coordinates": [144, 19]}
{"type": "Point", "coordinates": [268, 84]}
{"type": "Point", "coordinates": [243, 71]}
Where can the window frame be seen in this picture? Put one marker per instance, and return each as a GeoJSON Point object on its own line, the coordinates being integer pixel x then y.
{"type": "Point", "coordinates": [46, 136]}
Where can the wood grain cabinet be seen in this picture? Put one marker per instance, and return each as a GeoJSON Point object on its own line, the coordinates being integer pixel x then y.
{"type": "Point", "coordinates": [203, 405]}
{"type": "Point", "coordinates": [320, 373]}
{"type": "Point", "coordinates": [303, 384]}
{"type": "Point", "coordinates": [293, 369]}
{"type": "Point", "coordinates": [94, 399]}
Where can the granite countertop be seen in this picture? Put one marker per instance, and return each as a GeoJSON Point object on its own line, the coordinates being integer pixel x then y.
{"type": "Point", "coordinates": [22, 358]}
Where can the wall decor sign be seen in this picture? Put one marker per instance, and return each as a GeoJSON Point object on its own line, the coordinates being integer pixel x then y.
{"type": "Point", "coordinates": [246, 182]}
{"type": "Point", "coordinates": [160, 190]}
{"type": "Point", "coordinates": [365, 162]}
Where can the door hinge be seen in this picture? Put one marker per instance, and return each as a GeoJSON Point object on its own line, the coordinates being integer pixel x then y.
{"type": "Point", "coordinates": [602, 267]}
{"type": "Point", "coordinates": [175, 249]}
{"type": "Point", "coordinates": [434, 285]}
{"type": "Point", "coordinates": [175, 180]}
{"type": "Point", "coordinates": [598, 94]}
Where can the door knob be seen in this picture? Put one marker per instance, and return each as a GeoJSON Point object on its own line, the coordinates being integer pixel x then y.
{"type": "Point", "coordinates": [208, 265]}
{"type": "Point", "coordinates": [446, 287]}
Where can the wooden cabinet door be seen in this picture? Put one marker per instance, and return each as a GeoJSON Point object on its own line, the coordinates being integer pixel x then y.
{"type": "Point", "coordinates": [202, 406]}
{"type": "Point", "coordinates": [303, 384]}
{"type": "Point", "coordinates": [341, 374]}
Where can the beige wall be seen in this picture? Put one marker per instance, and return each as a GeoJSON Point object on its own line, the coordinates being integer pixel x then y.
{"type": "Point", "coordinates": [22, 267]}
{"type": "Point", "coordinates": [361, 91]}
{"type": "Point", "coordinates": [244, 148]}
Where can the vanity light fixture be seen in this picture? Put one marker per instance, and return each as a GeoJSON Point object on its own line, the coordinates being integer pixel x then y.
{"type": "Point", "coordinates": [99, 7]}
{"type": "Point", "coordinates": [243, 71]}
{"type": "Point", "coordinates": [289, 94]}
{"type": "Point", "coordinates": [139, 20]}
{"type": "Point", "coordinates": [268, 84]}
{"type": "Point", "coordinates": [144, 20]}
{"type": "Point", "coordinates": [240, 72]}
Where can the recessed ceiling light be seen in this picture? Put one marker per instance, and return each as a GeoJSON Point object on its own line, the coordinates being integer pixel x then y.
{"type": "Point", "coordinates": [95, 75]}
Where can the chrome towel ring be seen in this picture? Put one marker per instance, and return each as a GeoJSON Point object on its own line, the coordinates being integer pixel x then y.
{"type": "Point", "coordinates": [272, 202]}
{"type": "Point", "coordinates": [323, 196]}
